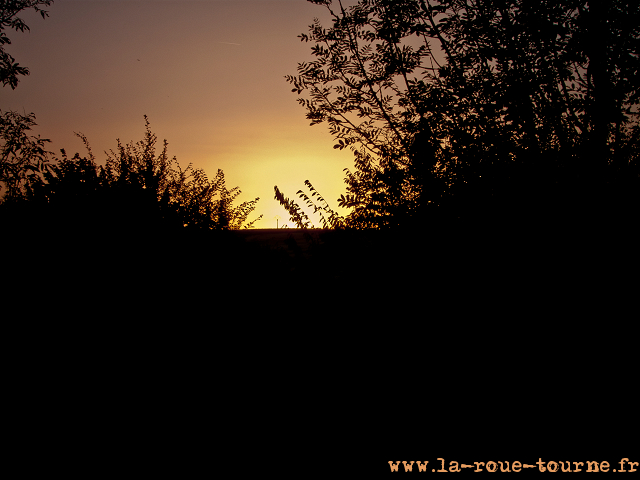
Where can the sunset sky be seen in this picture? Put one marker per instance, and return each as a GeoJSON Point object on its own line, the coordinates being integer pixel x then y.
{"type": "Point", "coordinates": [209, 74]}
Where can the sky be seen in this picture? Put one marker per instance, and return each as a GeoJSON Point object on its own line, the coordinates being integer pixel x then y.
{"type": "Point", "coordinates": [209, 74]}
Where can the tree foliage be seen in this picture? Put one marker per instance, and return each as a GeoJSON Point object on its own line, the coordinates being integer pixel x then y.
{"type": "Point", "coordinates": [329, 218]}
{"type": "Point", "coordinates": [22, 156]}
{"type": "Point", "coordinates": [137, 188]}
{"type": "Point", "coordinates": [9, 9]}
{"type": "Point", "coordinates": [468, 105]}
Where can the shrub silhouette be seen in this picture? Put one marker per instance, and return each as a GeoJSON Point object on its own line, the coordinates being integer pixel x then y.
{"type": "Point", "coordinates": [137, 190]}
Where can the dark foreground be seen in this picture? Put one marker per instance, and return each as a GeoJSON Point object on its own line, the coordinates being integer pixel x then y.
{"type": "Point", "coordinates": [152, 350]}
{"type": "Point", "coordinates": [438, 266]}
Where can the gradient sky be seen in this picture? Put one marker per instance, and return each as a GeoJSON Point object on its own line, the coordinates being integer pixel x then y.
{"type": "Point", "coordinates": [209, 74]}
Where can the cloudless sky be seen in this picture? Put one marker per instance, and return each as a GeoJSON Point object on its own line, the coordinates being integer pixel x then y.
{"type": "Point", "coordinates": [209, 74]}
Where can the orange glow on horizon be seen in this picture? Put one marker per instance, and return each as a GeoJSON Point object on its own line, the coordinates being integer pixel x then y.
{"type": "Point", "coordinates": [209, 76]}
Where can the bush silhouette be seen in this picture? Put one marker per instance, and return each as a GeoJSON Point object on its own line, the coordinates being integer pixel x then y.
{"type": "Point", "coordinates": [136, 190]}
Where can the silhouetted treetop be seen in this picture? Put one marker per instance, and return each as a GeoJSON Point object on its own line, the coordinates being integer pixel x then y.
{"type": "Point", "coordinates": [21, 156]}
{"type": "Point", "coordinates": [137, 188]}
{"type": "Point", "coordinates": [462, 106]}
{"type": "Point", "coordinates": [9, 9]}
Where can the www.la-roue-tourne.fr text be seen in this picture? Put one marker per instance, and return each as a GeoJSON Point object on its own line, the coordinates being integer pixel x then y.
{"type": "Point", "coordinates": [502, 466]}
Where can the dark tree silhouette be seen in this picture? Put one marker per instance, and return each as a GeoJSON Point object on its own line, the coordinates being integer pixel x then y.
{"type": "Point", "coordinates": [137, 189]}
{"type": "Point", "coordinates": [21, 156]}
{"type": "Point", "coordinates": [9, 9]}
{"type": "Point", "coordinates": [468, 107]}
